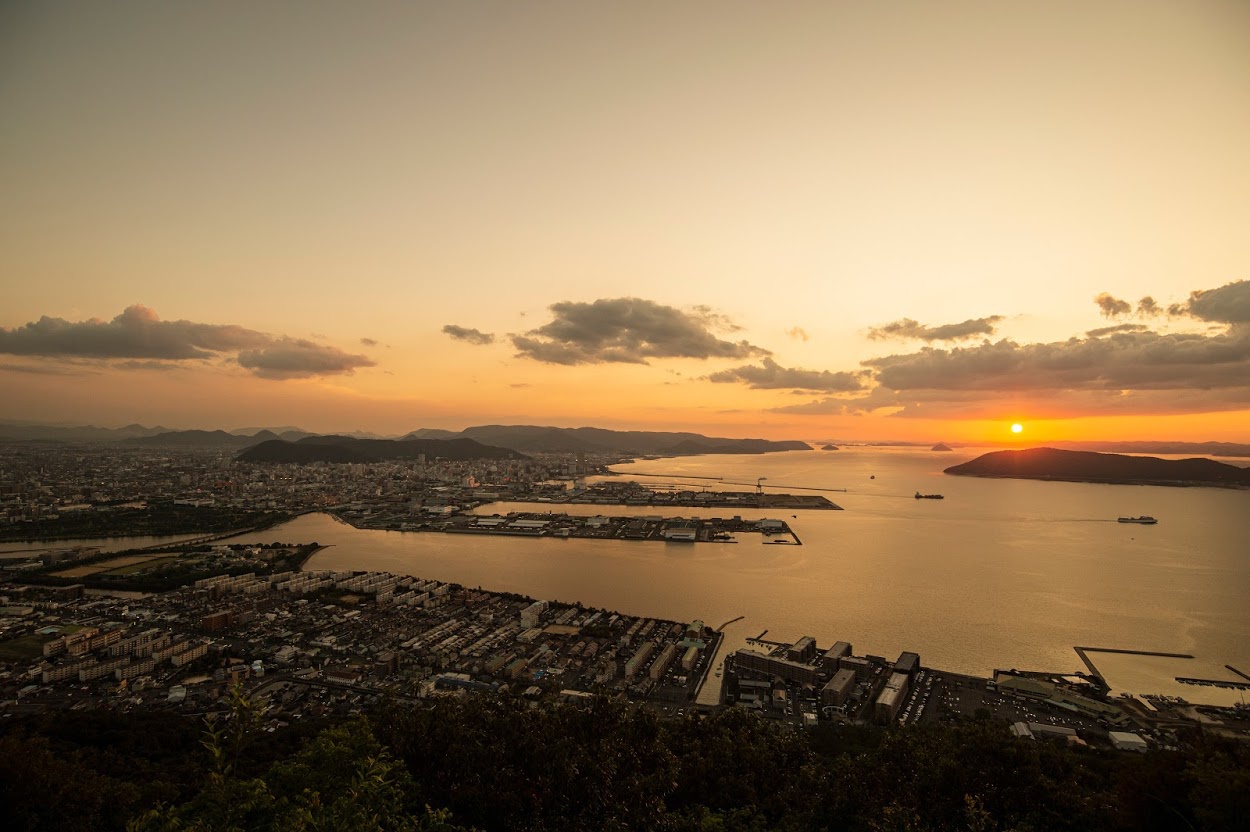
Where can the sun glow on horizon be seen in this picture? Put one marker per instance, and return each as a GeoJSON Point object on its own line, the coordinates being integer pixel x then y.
{"type": "Point", "coordinates": [1017, 428]}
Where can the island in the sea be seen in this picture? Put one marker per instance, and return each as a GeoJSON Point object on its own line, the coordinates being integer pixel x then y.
{"type": "Point", "coordinates": [1087, 466]}
{"type": "Point", "coordinates": [941, 446]}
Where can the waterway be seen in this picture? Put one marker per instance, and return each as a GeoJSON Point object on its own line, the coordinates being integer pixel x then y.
{"type": "Point", "coordinates": [999, 574]}
{"type": "Point", "coordinates": [26, 548]}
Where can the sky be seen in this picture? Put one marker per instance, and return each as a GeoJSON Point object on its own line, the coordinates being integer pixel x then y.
{"type": "Point", "coordinates": [830, 220]}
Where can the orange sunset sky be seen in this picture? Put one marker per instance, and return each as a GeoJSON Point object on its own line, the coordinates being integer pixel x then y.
{"type": "Point", "coordinates": [827, 220]}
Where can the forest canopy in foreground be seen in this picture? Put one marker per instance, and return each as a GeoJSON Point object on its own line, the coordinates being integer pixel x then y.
{"type": "Point", "coordinates": [494, 764]}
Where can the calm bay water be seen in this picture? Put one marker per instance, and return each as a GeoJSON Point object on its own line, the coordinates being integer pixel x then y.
{"type": "Point", "coordinates": [1000, 574]}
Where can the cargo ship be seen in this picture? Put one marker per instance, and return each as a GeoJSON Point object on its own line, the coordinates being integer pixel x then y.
{"type": "Point", "coordinates": [1145, 520]}
{"type": "Point", "coordinates": [920, 496]}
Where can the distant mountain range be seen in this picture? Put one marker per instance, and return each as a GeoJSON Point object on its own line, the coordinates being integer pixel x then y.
{"type": "Point", "coordinates": [350, 449]}
{"type": "Point", "coordinates": [1087, 466]}
{"type": "Point", "coordinates": [533, 438]}
{"type": "Point", "coordinates": [23, 432]}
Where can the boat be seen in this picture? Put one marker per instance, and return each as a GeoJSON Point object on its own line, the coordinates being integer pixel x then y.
{"type": "Point", "coordinates": [920, 496]}
{"type": "Point", "coordinates": [1145, 520]}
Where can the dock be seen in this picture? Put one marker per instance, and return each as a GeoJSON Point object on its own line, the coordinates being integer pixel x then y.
{"type": "Point", "coordinates": [1082, 651]}
{"type": "Point", "coordinates": [1214, 683]}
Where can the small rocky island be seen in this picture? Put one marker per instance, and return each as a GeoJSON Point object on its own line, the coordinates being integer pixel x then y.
{"type": "Point", "coordinates": [1087, 466]}
{"type": "Point", "coordinates": [941, 446]}
{"type": "Point", "coordinates": [830, 448]}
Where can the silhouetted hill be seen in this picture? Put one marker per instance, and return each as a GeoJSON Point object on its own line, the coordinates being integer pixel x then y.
{"type": "Point", "coordinates": [1087, 466]}
{"type": "Point", "coordinates": [1237, 449]}
{"type": "Point", "coordinates": [941, 446]}
{"type": "Point", "coordinates": [200, 439]}
{"type": "Point", "coordinates": [431, 433]}
{"type": "Point", "coordinates": [601, 440]}
{"type": "Point", "coordinates": [21, 432]}
{"type": "Point", "coordinates": [350, 449]}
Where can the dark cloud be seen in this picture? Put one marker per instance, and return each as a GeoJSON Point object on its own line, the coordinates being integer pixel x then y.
{"type": "Point", "coordinates": [906, 328]}
{"type": "Point", "coordinates": [469, 336]}
{"type": "Point", "coordinates": [823, 407]}
{"type": "Point", "coordinates": [1121, 369]}
{"type": "Point", "coordinates": [1123, 360]}
{"type": "Point", "coordinates": [1229, 304]}
{"type": "Point", "coordinates": [629, 331]}
{"type": "Point", "coordinates": [136, 333]}
{"type": "Point", "coordinates": [1110, 330]}
{"type": "Point", "coordinates": [797, 333]}
{"type": "Point", "coordinates": [286, 358]}
{"type": "Point", "coordinates": [138, 339]}
{"type": "Point", "coordinates": [368, 342]}
{"type": "Point", "coordinates": [1112, 307]}
{"type": "Point", "coordinates": [772, 376]}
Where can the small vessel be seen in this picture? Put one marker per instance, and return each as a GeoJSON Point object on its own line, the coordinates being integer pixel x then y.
{"type": "Point", "coordinates": [920, 496]}
{"type": "Point", "coordinates": [1145, 520]}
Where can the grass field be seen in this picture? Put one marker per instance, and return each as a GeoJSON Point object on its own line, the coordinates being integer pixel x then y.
{"type": "Point", "coordinates": [132, 568]}
{"type": "Point", "coordinates": [106, 566]}
{"type": "Point", "coordinates": [23, 649]}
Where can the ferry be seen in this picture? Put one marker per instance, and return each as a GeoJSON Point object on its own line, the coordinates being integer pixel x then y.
{"type": "Point", "coordinates": [1145, 520]}
{"type": "Point", "coordinates": [920, 496]}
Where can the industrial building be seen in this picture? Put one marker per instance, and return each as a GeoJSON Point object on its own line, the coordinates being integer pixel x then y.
{"type": "Point", "coordinates": [908, 663]}
{"type": "Point", "coordinates": [638, 660]}
{"type": "Point", "coordinates": [803, 650]}
{"type": "Point", "coordinates": [1042, 690]}
{"type": "Point", "coordinates": [1126, 741]}
{"type": "Point", "coordinates": [661, 665]}
{"type": "Point", "coordinates": [837, 689]}
{"type": "Point", "coordinates": [829, 659]}
{"type": "Point", "coordinates": [862, 668]}
{"type": "Point", "coordinates": [891, 698]}
{"type": "Point", "coordinates": [751, 661]}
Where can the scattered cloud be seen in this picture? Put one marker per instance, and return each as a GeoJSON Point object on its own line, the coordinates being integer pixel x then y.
{"type": "Point", "coordinates": [1112, 307]}
{"type": "Point", "coordinates": [139, 339]}
{"type": "Point", "coordinates": [772, 376]}
{"type": "Point", "coordinates": [287, 358]}
{"type": "Point", "coordinates": [906, 329]}
{"type": "Point", "coordinates": [1147, 308]}
{"type": "Point", "coordinates": [822, 407]}
{"type": "Point", "coordinates": [1229, 304]}
{"type": "Point", "coordinates": [1109, 330]}
{"type": "Point", "coordinates": [629, 331]}
{"type": "Point", "coordinates": [797, 333]}
{"type": "Point", "coordinates": [469, 336]}
{"type": "Point", "coordinates": [368, 342]}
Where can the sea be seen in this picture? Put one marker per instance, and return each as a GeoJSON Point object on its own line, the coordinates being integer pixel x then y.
{"type": "Point", "coordinates": [1000, 574]}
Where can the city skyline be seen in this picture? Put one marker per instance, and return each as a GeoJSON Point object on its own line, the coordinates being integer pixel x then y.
{"type": "Point", "coordinates": [813, 221]}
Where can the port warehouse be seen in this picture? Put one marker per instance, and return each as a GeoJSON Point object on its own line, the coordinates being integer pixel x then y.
{"type": "Point", "coordinates": [833, 673]}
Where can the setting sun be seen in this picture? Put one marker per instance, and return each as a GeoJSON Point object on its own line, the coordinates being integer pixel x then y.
{"type": "Point", "coordinates": [1017, 428]}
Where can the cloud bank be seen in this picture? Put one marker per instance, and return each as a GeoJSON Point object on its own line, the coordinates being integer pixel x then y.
{"type": "Point", "coordinates": [629, 331]}
{"type": "Point", "coordinates": [772, 376]}
{"type": "Point", "coordinates": [138, 334]}
{"type": "Point", "coordinates": [1123, 368]}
